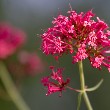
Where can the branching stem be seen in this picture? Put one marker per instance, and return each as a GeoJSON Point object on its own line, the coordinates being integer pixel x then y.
{"type": "Point", "coordinates": [82, 81]}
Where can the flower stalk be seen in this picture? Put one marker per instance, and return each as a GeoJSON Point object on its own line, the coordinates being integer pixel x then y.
{"type": "Point", "coordinates": [11, 88]}
{"type": "Point", "coordinates": [79, 100]}
{"type": "Point", "coordinates": [82, 81]}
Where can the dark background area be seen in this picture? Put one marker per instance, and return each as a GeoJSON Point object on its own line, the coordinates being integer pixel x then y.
{"type": "Point", "coordinates": [33, 16]}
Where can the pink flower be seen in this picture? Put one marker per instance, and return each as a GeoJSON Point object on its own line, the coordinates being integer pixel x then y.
{"type": "Point", "coordinates": [79, 35]}
{"type": "Point", "coordinates": [10, 40]}
{"type": "Point", "coordinates": [51, 44]}
{"type": "Point", "coordinates": [55, 82]}
{"type": "Point", "coordinates": [97, 61]}
{"type": "Point", "coordinates": [31, 62]}
{"type": "Point", "coordinates": [106, 54]}
{"type": "Point", "coordinates": [92, 39]}
{"type": "Point", "coordinates": [81, 54]}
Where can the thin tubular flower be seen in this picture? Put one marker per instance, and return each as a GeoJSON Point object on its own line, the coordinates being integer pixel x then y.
{"type": "Point", "coordinates": [79, 35]}
{"type": "Point", "coordinates": [55, 82]}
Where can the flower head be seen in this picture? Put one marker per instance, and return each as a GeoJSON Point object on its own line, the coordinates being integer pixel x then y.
{"type": "Point", "coordinates": [55, 82]}
{"type": "Point", "coordinates": [31, 62]}
{"type": "Point", "coordinates": [10, 40]}
{"type": "Point", "coordinates": [79, 35]}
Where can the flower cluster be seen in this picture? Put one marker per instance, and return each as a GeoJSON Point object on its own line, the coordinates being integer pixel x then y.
{"type": "Point", "coordinates": [81, 36]}
{"type": "Point", "coordinates": [10, 39]}
{"type": "Point", "coordinates": [31, 62]}
{"type": "Point", "coordinates": [58, 85]}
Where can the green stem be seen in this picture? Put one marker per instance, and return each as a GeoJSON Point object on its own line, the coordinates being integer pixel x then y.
{"type": "Point", "coordinates": [11, 88]}
{"type": "Point", "coordinates": [95, 87]}
{"type": "Point", "coordinates": [88, 104]}
{"type": "Point", "coordinates": [79, 100]}
{"type": "Point", "coordinates": [82, 80]}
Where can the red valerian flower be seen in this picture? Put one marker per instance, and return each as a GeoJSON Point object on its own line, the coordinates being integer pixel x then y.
{"type": "Point", "coordinates": [55, 82]}
{"type": "Point", "coordinates": [31, 62]}
{"type": "Point", "coordinates": [10, 39]}
{"type": "Point", "coordinates": [81, 36]}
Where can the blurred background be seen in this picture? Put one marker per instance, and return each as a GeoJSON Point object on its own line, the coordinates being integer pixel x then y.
{"type": "Point", "coordinates": [34, 16]}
